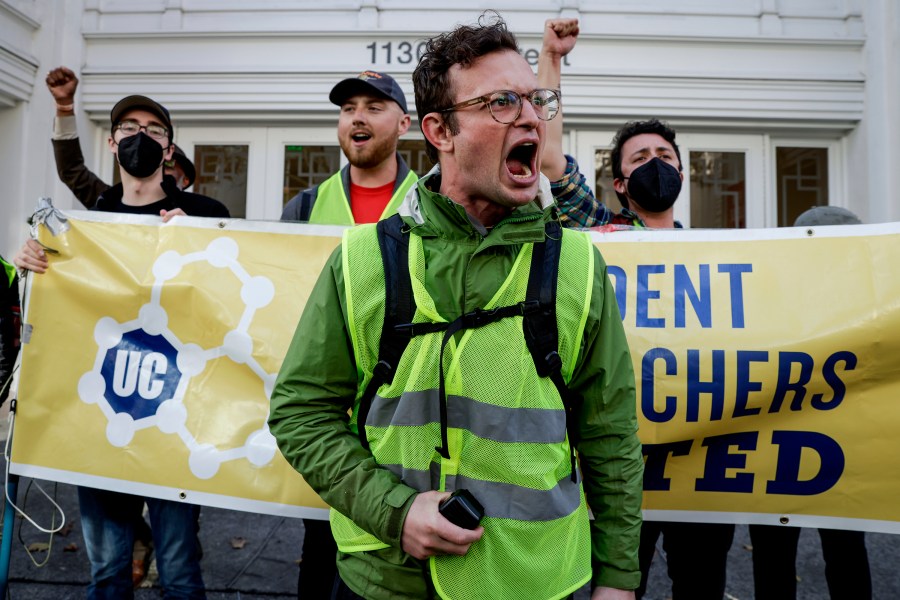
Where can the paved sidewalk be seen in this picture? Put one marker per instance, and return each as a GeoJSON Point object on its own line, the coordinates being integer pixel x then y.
{"type": "Point", "coordinates": [245, 555]}
{"type": "Point", "coordinates": [265, 566]}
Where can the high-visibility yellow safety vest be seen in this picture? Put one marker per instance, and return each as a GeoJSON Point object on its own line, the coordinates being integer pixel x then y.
{"type": "Point", "coordinates": [9, 271]}
{"type": "Point", "coordinates": [332, 207]}
{"type": "Point", "coordinates": [506, 426]}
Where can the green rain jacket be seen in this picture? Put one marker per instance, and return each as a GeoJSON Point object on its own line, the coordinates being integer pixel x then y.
{"type": "Point", "coordinates": [465, 265]}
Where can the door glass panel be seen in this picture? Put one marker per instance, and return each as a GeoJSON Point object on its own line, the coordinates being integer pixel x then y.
{"type": "Point", "coordinates": [413, 152]}
{"type": "Point", "coordinates": [603, 180]}
{"type": "Point", "coordinates": [306, 166]}
{"type": "Point", "coordinates": [718, 190]}
{"type": "Point", "coordinates": [802, 178]}
{"type": "Point", "coordinates": [222, 174]}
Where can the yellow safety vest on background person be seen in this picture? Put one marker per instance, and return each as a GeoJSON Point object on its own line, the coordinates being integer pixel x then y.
{"type": "Point", "coordinates": [506, 426]}
{"type": "Point", "coordinates": [332, 207]}
{"type": "Point", "coordinates": [9, 272]}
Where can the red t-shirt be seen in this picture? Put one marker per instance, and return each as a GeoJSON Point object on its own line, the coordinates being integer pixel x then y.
{"type": "Point", "coordinates": [368, 203]}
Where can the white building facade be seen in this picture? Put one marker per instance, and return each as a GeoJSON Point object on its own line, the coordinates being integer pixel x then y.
{"type": "Point", "coordinates": [779, 104]}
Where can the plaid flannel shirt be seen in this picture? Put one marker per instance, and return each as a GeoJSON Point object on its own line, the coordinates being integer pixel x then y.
{"type": "Point", "coordinates": [579, 208]}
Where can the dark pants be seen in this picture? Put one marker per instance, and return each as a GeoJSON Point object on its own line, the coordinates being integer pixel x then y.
{"type": "Point", "coordinates": [696, 557]}
{"type": "Point", "coordinates": [340, 591]}
{"type": "Point", "coordinates": [318, 568]}
{"type": "Point", "coordinates": [775, 563]}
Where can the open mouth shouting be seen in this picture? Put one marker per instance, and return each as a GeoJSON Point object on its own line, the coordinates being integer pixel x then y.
{"type": "Point", "coordinates": [360, 137]}
{"type": "Point", "coordinates": [521, 162]}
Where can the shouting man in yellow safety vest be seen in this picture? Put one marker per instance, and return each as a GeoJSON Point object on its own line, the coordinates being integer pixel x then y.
{"type": "Point", "coordinates": [459, 388]}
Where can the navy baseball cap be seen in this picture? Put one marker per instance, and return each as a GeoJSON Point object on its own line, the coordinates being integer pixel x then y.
{"type": "Point", "coordinates": [368, 82]}
{"type": "Point", "coordinates": [142, 102]}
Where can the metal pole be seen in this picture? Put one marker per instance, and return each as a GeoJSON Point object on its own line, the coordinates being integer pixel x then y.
{"type": "Point", "coordinates": [9, 515]}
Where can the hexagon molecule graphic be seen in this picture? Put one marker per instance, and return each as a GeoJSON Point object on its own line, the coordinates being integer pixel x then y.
{"type": "Point", "coordinates": [142, 369]}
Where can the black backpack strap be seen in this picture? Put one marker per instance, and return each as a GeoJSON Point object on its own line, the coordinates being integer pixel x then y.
{"type": "Point", "coordinates": [307, 200]}
{"type": "Point", "coordinates": [399, 309]}
{"type": "Point", "coordinates": [471, 320]}
{"type": "Point", "coordinates": [540, 326]}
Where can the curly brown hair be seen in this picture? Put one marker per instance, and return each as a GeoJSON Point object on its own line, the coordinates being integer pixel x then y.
{"type": "Point", "coordinates": [462, 46]}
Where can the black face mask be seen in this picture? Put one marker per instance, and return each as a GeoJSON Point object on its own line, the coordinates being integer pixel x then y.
{"type": "Point", "coordinates": [655, 185]}
{"type": "Point", "coordinates": [140, 155]}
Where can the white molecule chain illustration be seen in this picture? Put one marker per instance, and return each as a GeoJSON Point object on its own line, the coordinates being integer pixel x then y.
{"type": "Point", "coordinates": [142, 369]}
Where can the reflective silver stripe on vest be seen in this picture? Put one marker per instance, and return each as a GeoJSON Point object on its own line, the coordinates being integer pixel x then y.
{"type": "Point", "coordinates": [487, 421]}
{"type": "Point", "coordinates": [500, 500]}
{"type": "Point", "coordinates": [508, 501]}
{"type": "Point", "coordinates": [417, 479]}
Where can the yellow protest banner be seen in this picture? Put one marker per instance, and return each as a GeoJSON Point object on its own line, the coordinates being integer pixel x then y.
{"type": "Point", "coordinates": [152, 352]}
{"type": "Point", "coordinates": [766, 365]}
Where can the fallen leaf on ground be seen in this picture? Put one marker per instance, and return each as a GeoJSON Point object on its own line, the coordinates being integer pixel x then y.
{"type": "Point", "coordinates": [38, 547]}
{"type": "Point", "coordinates": [238, 543]}
{"type": "Point", "coordinates": [65, 530]}
{"type": "Point", "coordinates": [73, 547]}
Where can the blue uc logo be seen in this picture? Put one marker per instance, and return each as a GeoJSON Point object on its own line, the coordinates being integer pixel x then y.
{"type": "Point", "coordinates": [141, 373]}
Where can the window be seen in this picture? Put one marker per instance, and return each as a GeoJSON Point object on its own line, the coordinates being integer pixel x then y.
{"type": "Point", "coordinates": [230, 162]}
{"type": "Point", "coordinates": [306, 166]}
{"type": "Point", "coordinates": [722, 173]}
{"type": "Point", "coordinates": [222, 174]}
{"type": "Point", "coordinates": [603, 180]}
{"type": "Point", "coordinates": [413, 152]}
{"type": "Point", "coordinates": [801, 175]}
{"type": "Point", "coordinates": [718, 190]}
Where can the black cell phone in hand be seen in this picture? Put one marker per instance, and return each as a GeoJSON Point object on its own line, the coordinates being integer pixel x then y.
{"type": "Point", "coordinates": [462, 509]}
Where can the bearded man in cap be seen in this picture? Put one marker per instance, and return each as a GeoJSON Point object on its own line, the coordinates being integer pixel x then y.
{"type": "Point", "coordinates": [373, 117]}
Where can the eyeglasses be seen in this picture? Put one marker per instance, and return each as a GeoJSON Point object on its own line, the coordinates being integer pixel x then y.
{"type": "Point", "coordinates": [506, 105]}
{"type": "Point", "coordinates": [129, 128]}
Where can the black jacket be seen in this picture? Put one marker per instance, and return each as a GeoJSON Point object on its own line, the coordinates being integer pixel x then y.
{"type": "Point", "coordinates": [192, 204]}
{"type": "Point", "coordinates": [9, 325]}
{"type": "Point", "coordinates": [72, 171]}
